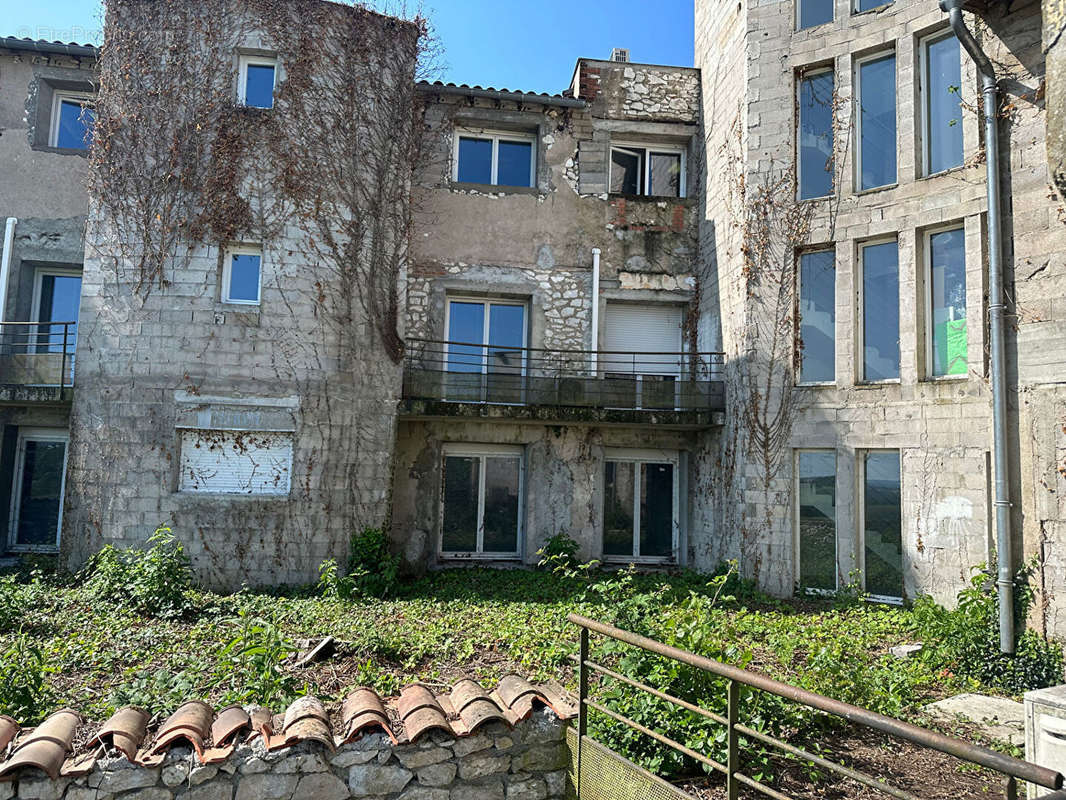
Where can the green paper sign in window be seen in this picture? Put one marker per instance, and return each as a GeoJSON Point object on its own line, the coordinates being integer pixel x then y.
{"type": "Point", "coordinates": [947, 282]}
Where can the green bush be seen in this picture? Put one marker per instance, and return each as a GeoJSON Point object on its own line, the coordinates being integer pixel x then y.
{"type": "Point", "coordinates": [9, 604]}
{"type": "Point", "coordinates": [559, 552]}
{"type": "Point", "coordinates": [248, 668]}
{"type": "Point", "coordinates": [966, 639]}
{"type": "Point", "coordinates": [25, 691]}
{"type": "Point", "coordinates": [373, 570]}
{"type": "Point", "coordinates": [155, 581]}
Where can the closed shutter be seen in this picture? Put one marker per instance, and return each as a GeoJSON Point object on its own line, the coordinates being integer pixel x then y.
{"type": "Point", "coordinates": [236, 462]}
{"type": "Point", "coordinates": [643, 329]}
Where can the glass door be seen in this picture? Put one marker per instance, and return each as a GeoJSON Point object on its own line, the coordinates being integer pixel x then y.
{"type": "Point", "coordinates": [37, 493]}
{"type": "Point", "coordinates": [486, 359]}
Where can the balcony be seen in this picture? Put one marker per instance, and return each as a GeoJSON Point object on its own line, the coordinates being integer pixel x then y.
{"type": "Point", "coordinates": [460, 379]}
{"type": "Point", "coordinates": [37, 362]}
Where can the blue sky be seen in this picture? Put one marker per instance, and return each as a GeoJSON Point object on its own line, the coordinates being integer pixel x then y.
{"type": "Point", "coordinates": [503, 43]}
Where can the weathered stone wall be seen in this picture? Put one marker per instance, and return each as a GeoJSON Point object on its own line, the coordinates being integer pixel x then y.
{"type": "Point", "coordinates": [528, 762]}
{"type": "Point", "coordinates": [638, 91]}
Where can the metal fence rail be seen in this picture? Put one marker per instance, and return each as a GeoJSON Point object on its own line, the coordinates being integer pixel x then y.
{"type": "Point", "coordinates": [466, 372]}
{"type": "Point", "coordinates": [1014, 769]}
{"type": "Point", "coordinates": [37, 353]}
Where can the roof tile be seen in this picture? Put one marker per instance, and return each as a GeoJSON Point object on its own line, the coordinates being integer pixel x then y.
{"type": "Point", "coordinates": [45, 747]}
{"type": "Point", "coordinates": [125, 731]}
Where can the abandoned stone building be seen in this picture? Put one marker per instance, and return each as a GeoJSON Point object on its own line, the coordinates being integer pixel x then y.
{"type": "Point", "coordinates": [586, 341]}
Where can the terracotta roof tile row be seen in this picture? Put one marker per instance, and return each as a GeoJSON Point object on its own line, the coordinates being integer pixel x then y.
{"type": "Point", "coordinates": [502, 94]}
{"type": "Point", "coordinates": [416, 712]}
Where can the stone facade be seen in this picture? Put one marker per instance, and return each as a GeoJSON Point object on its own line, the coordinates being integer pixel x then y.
{"type": "Point", "coordinates": [528, 762]}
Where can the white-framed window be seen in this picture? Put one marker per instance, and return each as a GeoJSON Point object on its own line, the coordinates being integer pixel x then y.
{"type": "Point", "coordinates": [881, 524]}
{"type": "Point", "coordinates": [72, 120]}
{"type": "Point", "coordinates": [875, 121]}
{"type": "Point", "coordinates": [36, 513]}
{"type": "Point", "coordinates": [242, 274]}
{"type": "Point", "coordinates": [497, 158]}
{"type": "Point", "coordinates": [946, 348]}
{"type": "Point", "coordinates": [816, 521]}
{"type": "Point", "coordinates": [256, 79]}
{"type": "Point", "coordinates": [814, 133]}
{"type": "Point", "coordinates": [482, 490]}
{"type": "Point", "coordinates": [643, 169]}
{"type": "Point", "coordinates": [813, 12]}
{"type": "Point", "coordinates": [817, 316]}
{"type": "Point", "coordinates": [56, 299]}
{"type": "Point", "coordinates": [878, 308]}
{"type": "Point", "coordinates": [235, 462]}
{"type": "Point", "coordinates": [940, 85]}
{"type": "Point", "coordinates": [641, 506]}
{"type": "Point", "coordinates": [485, 352]}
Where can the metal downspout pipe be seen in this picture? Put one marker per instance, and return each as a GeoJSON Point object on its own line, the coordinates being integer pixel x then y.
{"type": "Point", "coordinates": [997, 367]}
{"type": "Point", "coordinates": [594, 361]}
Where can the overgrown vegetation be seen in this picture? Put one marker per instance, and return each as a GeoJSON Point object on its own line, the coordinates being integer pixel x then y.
{"type": "Point", "coordinates": [373, 571]}
{"type": "Point", "coordinates": [153, 581]}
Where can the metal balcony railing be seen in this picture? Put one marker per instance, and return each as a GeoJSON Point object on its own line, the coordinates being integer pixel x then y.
{"type": "Point", "coordinates": [37, 353]}
{"type": "Point", "coordinates": [465, 372]}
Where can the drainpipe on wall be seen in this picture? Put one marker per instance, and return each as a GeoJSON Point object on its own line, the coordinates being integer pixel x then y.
{"type": "Point", "coordinates": [595, 310]}
{"type": "Point", "coordinates": [5, 264]}
{"type": "Point", "coordinates": [990, 91]}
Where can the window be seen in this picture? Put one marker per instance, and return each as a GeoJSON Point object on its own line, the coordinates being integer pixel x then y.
{"type": "Point", "coordinates": [882, 525]}
{"type": "Point", "coordinates": [817, 317]}
{"type": "Point", "coordinates": [56, 299]}
{"type": "Point", "coordinates": [815, 135]}
{"type": "Point", "coordinates": [37, 492]}
{"type": "Point", "coordinates": [941, 103]}
{"type": "Point", "coordinates": [879, 308]}
{"type": "Point", "coordinates": [486, 341]}
{"type": "Point", "coordinates": [481, 501]}
{"type": "Point", "coordinates": [72, 120]}
{"type": "Point", "coordinates": [876, 121]}
{"type": "Point", "coordinates": [640, 506]}
{"type": "Point", "coordinates": [869, 5]}
{"type": "Point", "coordinates": [255, 84]}
{"type": "Point", "coordinates": [945, 253]}
{"type": "Point", "coordinates": [498, 159]}
{"type": "Point", "coordinates": [235, 462]}
{"type": "Point", "coordinates": [813, 12]}
{"type": "Point", "coordinates": [816, 492]}
{"type": "Point", "coordinates": [642, 357]}
{"type": "Point", "coordinates": [242, 275]}
{"type": "Point", "coordinates": [657, 171]}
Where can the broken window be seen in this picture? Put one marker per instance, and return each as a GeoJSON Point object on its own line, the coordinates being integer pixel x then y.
{"type": "Point", "coordinates": [815, 135]}
{"type": "Point", "coordinates": [497, 159]}
{"type": "Point", "coordinates": [481, 501]}
{"type": "Point", "coordinates": [941, 103]}
{"type": "Point", "coordinates": [235, 462]}
{"type": "Point", "coordinates": [946, 284]}
{"type": "Point", "coordinates": [72, 120]}
{"type": "Point", "coordinates": [647, 171]}
{"type": "Point", "coordinates": [816, 519]}
{"type": "Point", "coordinates": [875, 79]}
{"type": "Point", "coordinates": [242, 275]}
{"type": "Point", "coordinates": [640, 507]}
{"type": "Point", "coordinates": [882, 524]}
{"type": "Point", "coordinates": [37, 489]}
{"type": "Point", "coordinates": [817, 317]}
{"type": "Point", "coordinates": [258, 75]}
{"type": "Point", "coordinates": [879, 308]}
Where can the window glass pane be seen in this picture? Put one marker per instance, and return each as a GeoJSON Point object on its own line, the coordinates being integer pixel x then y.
{"type": "Point", "coordinates": [244, 277]}
{"type": "Point", "coordinates": [880, 311]}
{"type": "Point", "coordinates": [59, 302]}
{"type": "Point", "coordinates": [817, 309]}
{"type": "Point", "coordinates": [656, 510]}
{"type": "Point", "coordinates": [947, 257]}
{"type": "Point", "coordinates": [459, 526]}
{"type": "Point", "coordinates": [814, 12]}
{"type": "Point", "coordinates": [618, 509]}
{"type": "Point", "coordinates": [515, 159]}
{"type": "Point", "coordinates": [943, 105]}
{"type": "Point", "coordinates": [627, 172]}
{"type": "Point", "coordinates": [666, 174]}
{"type": "Point", "coordinates": [259, 86]}
{"type": "Point", "coordinates": [866, 5]}
{"type": "Point", "coordinates": [883, 534]}
{"type": "Point", "coordinates": [877, 122]}
{"type": "Point", "coordinates": [501, 504]}
{"type": "Point", "coordinates": [817, 520]}
{"type": "Point", "coordinates": [466, 323]}
{"type": "Point", "coordinates": [507, 334]}
{"type": "Point", "coordinates": [75, 125]}
{"type": "Point", "coordinates": [40, 493]}
{"type": "Point", "coordinates": [475, 160]}
{"type": "Point", "coordinates": [816, 135]}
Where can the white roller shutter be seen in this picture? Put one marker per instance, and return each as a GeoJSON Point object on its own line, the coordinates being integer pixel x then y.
{"type": "Point", "coordinates": [235, 462]}
{"type": "Point", "coordinates": [635, 328]}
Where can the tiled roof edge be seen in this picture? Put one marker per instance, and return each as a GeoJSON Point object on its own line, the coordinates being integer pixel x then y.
{"type": "Point", "coordinates": [488, 92]}
{"type": "Point", "coordinates": [44, 46]}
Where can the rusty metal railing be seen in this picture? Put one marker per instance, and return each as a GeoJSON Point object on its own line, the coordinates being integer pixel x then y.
{"type": "Point", "coordinates": [37, 353]}
{"type": "Point", "coordinates": [1014, 769]}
